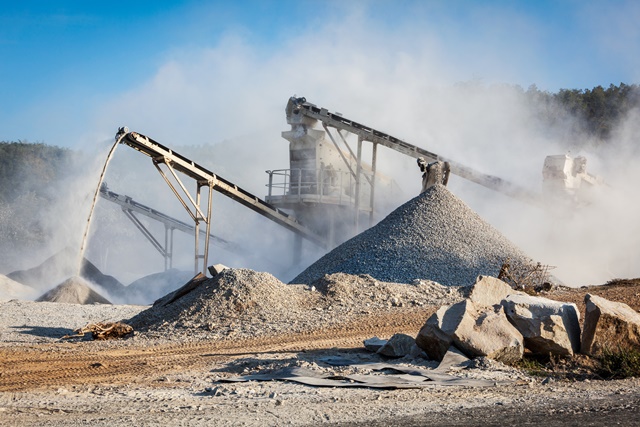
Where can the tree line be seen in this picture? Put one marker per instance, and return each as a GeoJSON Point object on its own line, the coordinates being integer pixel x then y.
{"type": "Point", "coordinates": [29, 168]}
{"type": "Point", "coordinates": [596, 112]}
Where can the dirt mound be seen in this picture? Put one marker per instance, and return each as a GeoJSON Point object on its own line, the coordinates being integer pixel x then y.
{"type": "Point", "coordinates": [434, 236]}
{"type": "Point", "coordinates": [74, 290]}
{"type": "Point", "coordinates": [10, 289]}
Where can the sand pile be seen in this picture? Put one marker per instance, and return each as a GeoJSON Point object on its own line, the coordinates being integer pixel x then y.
{"type": "Point", "coordinates": [74, 290]}
{"type": "Point", "coordinates": [10, 289]}
{"type": "Point", "coordinates": [434, 236]}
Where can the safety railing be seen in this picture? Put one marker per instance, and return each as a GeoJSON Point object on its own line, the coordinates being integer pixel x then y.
{"type": "Point", "coordinates": [326, 184]}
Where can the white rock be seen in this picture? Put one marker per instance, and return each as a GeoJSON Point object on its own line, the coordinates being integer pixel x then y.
{"type": "Point", "coordinates": [487, 332]}
{"type": "Point", "coordinates": [489, 291]}
{"type": "Point", "coordinates": [548, 327]}
{"type": "Point", "coordinates": [431, 338]}
{"type": "Point", "coordinates": [476, 331]}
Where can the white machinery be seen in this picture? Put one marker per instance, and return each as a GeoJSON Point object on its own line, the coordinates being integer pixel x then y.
{"type": "Point", "coordinates": [565, 179]}
{"type": "Point", "coordinates": [329, 186]}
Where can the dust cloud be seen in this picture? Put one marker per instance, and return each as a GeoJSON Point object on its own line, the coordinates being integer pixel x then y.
{"type": "Point", "coordinates": [224, 106]}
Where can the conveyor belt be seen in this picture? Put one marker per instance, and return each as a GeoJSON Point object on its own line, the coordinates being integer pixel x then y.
{"type": "Point", "coordinates": [162, 154]}
{"type": "Point", "coordinates": [128, 204]}
{"type": "Point", "coordinates": [337, 121]}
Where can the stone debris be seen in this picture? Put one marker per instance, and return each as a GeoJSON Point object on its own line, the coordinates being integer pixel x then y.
{"type": "Point", "coordinates": [374, 344]}
{"type": "Point", "coordinates": [475, 330]}
{"type": "Point", "coordinates": [243, 303]}
{"type": "Point", "coordinates": [548, 327]}
{"type": "Point", "coordinates": [489, 291]}
{"type": "Point", "coordinates": [61, 266]}
{"type": "Point", "coordinates": [434, 236]}
{"type": "Point", "coordinates": [399, 345]}
{"type": "Point", "coordinates": [74, 290]}
{"type": "Point", "coordinates": [609, 326]}
{"type": "Point", "coordinates": [216, 269]}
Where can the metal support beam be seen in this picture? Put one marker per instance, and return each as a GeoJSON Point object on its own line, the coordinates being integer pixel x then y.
{"type": "Point", "coordinates": [358, 183]}
{"type": "Point", "coordinates": [372, 182]}
{"type": "Point", "coordinates": [178, 163]}
{"type": "Point", "coordinates": [366, 133]}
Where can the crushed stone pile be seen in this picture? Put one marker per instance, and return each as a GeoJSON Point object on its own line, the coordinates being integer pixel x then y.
{"type": "Point", "coordinates": [242, 303]}
{"type": "Point", "coordinates": [10, 289]}
{"type": "Point", "coordinates": [74, 290]}
{"type": "Point", "coordinates": [434, 236]}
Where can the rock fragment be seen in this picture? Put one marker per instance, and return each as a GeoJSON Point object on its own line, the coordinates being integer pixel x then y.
{"type": "Point", "coordinates": [609, 326]}
{"type": "Point", "coordinates": [399, 345]}
{"type": "Point", "coordinates": [476, 331]}
{"type": "Point", "coordinates": [548, 327]}
{"type": "Point", "coordinates": [489, 291]}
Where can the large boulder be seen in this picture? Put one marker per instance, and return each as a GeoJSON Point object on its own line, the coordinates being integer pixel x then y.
{"type": "Point", "coordinates": [475, 330]}
{"type": "Point", "coordinates": [548, 327]}
{"type": "Point", "coordinates": [609, 325]}
{"type": "Point", "coordinates": [489, 291]}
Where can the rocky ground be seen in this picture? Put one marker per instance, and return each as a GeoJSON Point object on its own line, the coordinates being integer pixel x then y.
{"type": "Point", "coordinates": [243, 348]}
{"type": "Point", "coordinates": [171, 373]}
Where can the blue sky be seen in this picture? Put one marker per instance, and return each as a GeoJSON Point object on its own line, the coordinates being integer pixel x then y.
{"type": "Point", "coordinates": [68, 69]}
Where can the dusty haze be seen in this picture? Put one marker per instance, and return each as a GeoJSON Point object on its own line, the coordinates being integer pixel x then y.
{"type": "Point", "coordinates": [231, 96]}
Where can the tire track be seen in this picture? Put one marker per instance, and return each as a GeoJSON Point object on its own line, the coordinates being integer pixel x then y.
{"type": "Point", "coordinates": [49, 365]}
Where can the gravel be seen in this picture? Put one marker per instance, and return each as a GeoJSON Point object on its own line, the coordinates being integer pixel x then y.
{"type": "Point", "coordinates": [242, 303]}
{"type": "Point", "coordinates": [434, 236]}
{"type": "Point", "coordinates": [74, 290]}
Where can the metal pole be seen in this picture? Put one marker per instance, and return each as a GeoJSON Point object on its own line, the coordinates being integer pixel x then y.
{"type": "Point", "coordinates": [374, 159]}
{"type": "Point", "coordinates": [166, 248]}
{"type": "Point", "coordinates": [197, 229]}
{"type": "Point", "coordinates": [206, 238]}
{"type": "Point", "coordinates": [171, 252]}
{"type": "Point", "coordinates": [358, 173]}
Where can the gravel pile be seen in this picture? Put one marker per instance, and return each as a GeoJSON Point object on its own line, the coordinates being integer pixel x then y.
{"type": "Point", "coordinates": [74, 290]}
{"type": "Point", "coordinates": [240, 303]}
{"type": "Point", "coordinates": [434, 236]}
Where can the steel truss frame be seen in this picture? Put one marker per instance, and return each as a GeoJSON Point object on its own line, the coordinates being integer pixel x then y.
{"type": "Point", "coordinates": [175, 162]}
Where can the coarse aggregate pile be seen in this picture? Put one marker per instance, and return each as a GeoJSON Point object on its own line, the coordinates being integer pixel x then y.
{"type": "Point", "coordinates": [242, 303]}
{"type": "Point", "coordinates": [74, 290]}
{"type": "Point", "coordinates": [435, 236]}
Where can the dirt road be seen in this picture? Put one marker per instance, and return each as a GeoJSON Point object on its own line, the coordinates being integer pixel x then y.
{"type": "Point", "coordinates": [145, 382]}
